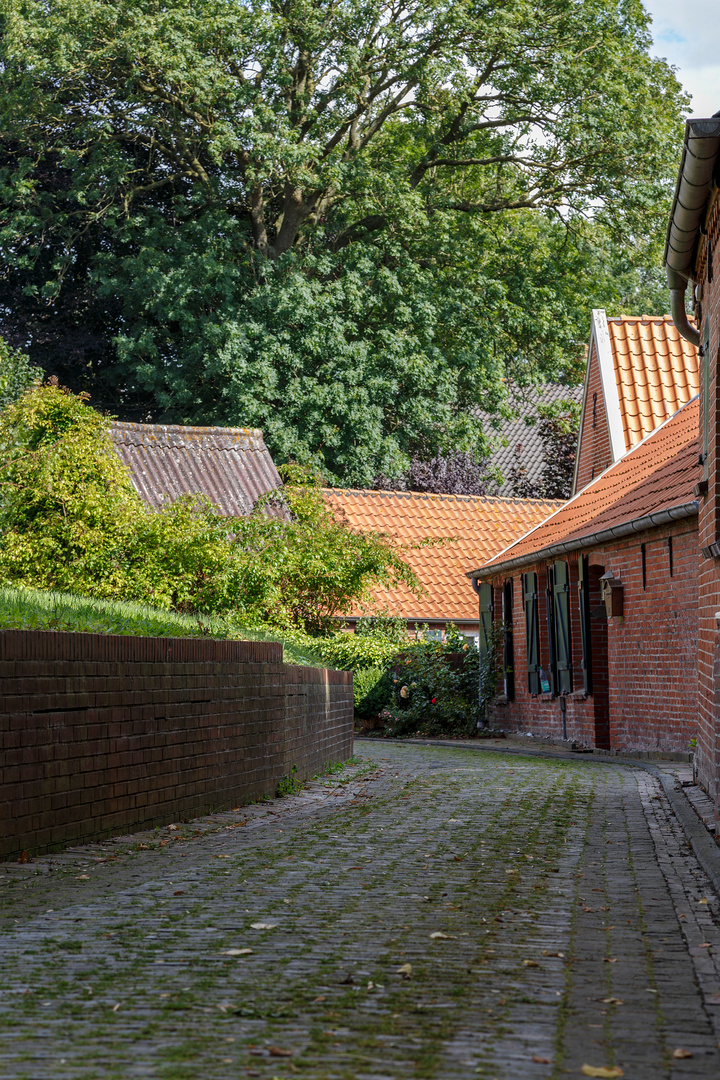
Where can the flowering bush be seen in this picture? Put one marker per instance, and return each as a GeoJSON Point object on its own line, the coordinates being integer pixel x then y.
{"type": "Point", "coordinates": [435, 686]}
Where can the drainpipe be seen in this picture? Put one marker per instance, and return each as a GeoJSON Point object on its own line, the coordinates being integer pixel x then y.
{"type": "Point", "coordinates": [677, 285]}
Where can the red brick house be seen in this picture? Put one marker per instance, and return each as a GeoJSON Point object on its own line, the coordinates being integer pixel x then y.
{"type": "Point", "coordinates": [599, 602]}
{"type": "Point", "coordinates": [691, 257]}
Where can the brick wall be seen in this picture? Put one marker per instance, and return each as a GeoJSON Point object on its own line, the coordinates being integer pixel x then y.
{"type": "Point", "coordinates": [103, 734]}
{"type": "Point", "coordinates": [645, 693]}
{"type": "Point", "coordinates": [594, 449]}
{"type": "Point", "coordinates": [708, 755]}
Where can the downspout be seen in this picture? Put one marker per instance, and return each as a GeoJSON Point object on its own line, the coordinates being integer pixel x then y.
{"type": "Point", "coordinates": [677, 285]}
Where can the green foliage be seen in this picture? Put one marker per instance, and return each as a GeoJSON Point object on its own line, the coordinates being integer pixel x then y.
{"type": "Point", "coordinates": [343, 224]}
{"type": "Point", "coordinates": [32, 609]}
{"type": "Point", "coordinates": [17, 374]}
{"type": "Point", "coordinates": [440, 688]}
{"type": "Point", "coordinates": [288, 785]}
{"type": "Point", "coordinates": [71, 520]}
{"type": "Point", "coordinates": [372, 691]}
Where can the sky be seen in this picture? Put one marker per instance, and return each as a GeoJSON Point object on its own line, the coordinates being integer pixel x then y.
{"type": "Point", "coordinates": [687, 35]}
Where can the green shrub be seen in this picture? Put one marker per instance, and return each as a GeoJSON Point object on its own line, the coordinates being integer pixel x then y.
{"type": "Point", "coordinates": [16, 374]}
{"type": "Point", "coordinates": [372, 691]}
{"type": "Point", "coordinates": [71, 520]}
{"type": "Point", "coordinates": [436, 688]}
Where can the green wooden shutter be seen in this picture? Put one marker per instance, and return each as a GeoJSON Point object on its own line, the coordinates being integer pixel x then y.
{"type": "Point", "coordinates": [550, 620]}
{"type": "Point", "coordinates": [530, 603]}
{"type": "Point", "coordinates": [508, 657]}
{"type": "Point", "coordinates": [563, 641]}
{"type": "Point", "coordinates": [487, 608]}
{"type": "Point", "coordinates": [584, 591]}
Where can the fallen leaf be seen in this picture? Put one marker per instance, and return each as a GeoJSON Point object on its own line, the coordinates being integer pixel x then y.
{"type": "Point", "coordinates": [263, 925]}
{"type": "Point", "coordinates": [705, 945]}
{"type": "Point", "coordinates": [546, 952]}
{"type": "Point", "coordinates": [371, 986]}
{"type": "Point", "coordinates": [600, 1070]}
{"type": "Point", "coordinates": [680, 1053]}
{"type": "Point", "coordinates": [82, 877]}
{"type": "Point", "coordinates": [438, 934]}
{"type": "Point", "coordinates": [541, 1060]}
{"type": "Point", "coordinates": [712, 999]}
{"type": "Point", "coordinates": [116, 1006]}
{"type": "Point", "coordinates": [317, 999]}
{"type": "Point", "coordinates": [23, 857]}
{"type": "Point", "coordinates": [703, 901]}
{"type": "Point", "coordinates": [236, 952]}
{"type": "Point", "coordinates": [612, 1001]}
{"type": "Point", "coordinates": [405, 971]}
{"type": "Point", "coordinates": [610, 960]}
{"type": "Point", "coordinates": [531, 963]}
{"type": "Point", "coordinates": [179, 892]}
{"type": "Point", "coordinates": [276, 1051]}
{"type": "Point", "coordinates": [222, 856]}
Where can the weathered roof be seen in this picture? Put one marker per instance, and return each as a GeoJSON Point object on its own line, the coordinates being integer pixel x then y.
{"type": "Point", "coordinates": [521, 435]}
{"type": "Point", "coordinates": [655, 477]}
{"type": "Point", "coordinates": [480, 525]}
{"type": "Point", "coordinates": [231, 466]}
{"type": "Point", "coordinates": [656, 372]}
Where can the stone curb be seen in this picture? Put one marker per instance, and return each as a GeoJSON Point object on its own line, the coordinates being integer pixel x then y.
{"type": "Point", "coordinates": [704, 846]}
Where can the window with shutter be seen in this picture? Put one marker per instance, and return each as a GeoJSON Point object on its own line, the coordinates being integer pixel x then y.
{"type": "Point", "coordinates": [530, 603]}
{"type": "Point", "coordinates": [584, 591]}
{"type": "Point", "coordinates": [563, 641]}
{"type": "Point", "coordinates": [487, 608]}
{"type": "Point", "coordinates": [508, 658]}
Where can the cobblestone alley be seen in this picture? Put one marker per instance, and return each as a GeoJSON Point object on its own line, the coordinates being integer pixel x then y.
{"type": "Point", "coordinates": [426, 912]}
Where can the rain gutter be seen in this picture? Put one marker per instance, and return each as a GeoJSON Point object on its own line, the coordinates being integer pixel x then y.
{"type": "Point", "coordinates": [695, 183]}
{"type": "Point", "coordinates": [617, 532]}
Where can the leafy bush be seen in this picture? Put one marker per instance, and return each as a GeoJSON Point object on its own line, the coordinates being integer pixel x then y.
{"type": "Point", "coordinates": [437, 688]}
{"type": "Point", "coordinates": [16, 374]}
{"type": "Point", "coordinates": [71, 520]}
{"type": "Point", "coordinates": [372, 690]}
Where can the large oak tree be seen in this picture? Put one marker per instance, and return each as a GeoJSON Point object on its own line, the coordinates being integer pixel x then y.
{"type": "Point", "coordinates": [345, 222]}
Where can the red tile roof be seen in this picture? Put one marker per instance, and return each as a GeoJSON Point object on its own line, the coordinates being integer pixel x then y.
{"type": "Point", "coordinates": [657, 475]}
{"type": "Point", "coordinates": [480, 525]}
{"type": "Point", "coordinates": [656, 372]}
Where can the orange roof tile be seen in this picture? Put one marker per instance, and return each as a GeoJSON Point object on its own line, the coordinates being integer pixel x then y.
{"type": "Point", "coordinates": [658, 474]}
{"type": "Point", "coordinates": [481, 526]}
{"type": "Point", "coordinates": [655, 369]}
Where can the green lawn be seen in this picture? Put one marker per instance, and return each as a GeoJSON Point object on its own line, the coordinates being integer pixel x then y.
{"type": "Point", "coordinates": [31, 609]}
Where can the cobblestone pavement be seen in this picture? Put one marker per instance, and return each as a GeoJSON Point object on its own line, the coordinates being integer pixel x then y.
{"type": "Point", "coordinates": [426, 912]}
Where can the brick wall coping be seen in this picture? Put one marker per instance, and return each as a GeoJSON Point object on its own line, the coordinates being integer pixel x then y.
{"type": "Point", "coordinates": [62, 645]}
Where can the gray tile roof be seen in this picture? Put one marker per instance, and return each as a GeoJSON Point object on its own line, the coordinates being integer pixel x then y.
{"type": "Point", "coordinates": [518, 442]}
{"type": "Point", "coordinates": [231, 466]}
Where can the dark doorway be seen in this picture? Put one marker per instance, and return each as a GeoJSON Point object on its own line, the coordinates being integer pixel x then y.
{"type": "Point", "coordinates": [599, 647]}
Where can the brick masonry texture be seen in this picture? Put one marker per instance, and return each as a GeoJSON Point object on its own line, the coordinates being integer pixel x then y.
{"type": "Point", "coordinates": [101, 734]}
{"type": "Point", "coordinates": [550, 912]}
{"type": "Point", "coordinates": [645, 694]}
{"type": "Point", "coordinates": [594, 452]}
{"type": "Point", "coordinates": [708, 754]}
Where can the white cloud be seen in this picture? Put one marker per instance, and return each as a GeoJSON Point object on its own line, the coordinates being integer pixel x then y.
{"type": "Point", "coordinates": [688, 36]}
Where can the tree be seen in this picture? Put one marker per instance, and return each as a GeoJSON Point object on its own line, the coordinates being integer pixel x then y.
{"type": "Point", "coordinates": [298, 216]}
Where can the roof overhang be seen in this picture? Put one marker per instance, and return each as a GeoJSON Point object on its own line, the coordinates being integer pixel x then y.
{"type": "Point", "coordinates": [578, 543]}
{"type": "Point", "coordinates": [695, 182]}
